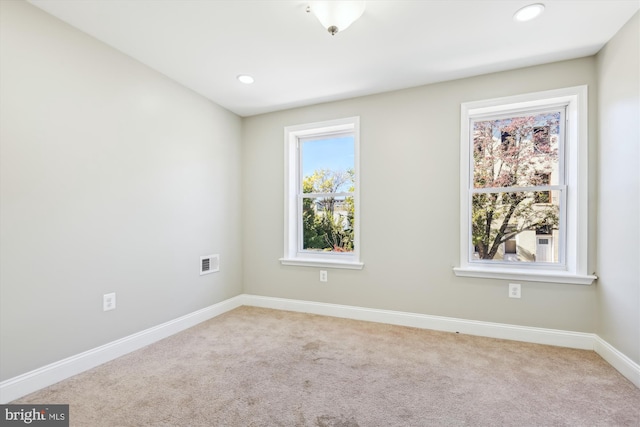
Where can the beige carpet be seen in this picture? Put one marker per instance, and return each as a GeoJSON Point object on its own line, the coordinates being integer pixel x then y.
{"type": "Point", "coordinates": [259, 367]}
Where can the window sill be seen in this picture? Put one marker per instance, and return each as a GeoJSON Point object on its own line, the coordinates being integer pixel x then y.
{"type": "Point", "coordinates": [315, 262]}
{"type": "Point", "coordinates": [532, 276]}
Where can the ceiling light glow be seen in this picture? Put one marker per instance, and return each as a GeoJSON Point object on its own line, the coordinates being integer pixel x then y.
{"type": "Point", "coordinates": [245, 78]}
{"type": "Point", "coordinates": [528, 13]}
{"type": "Point", "coordinates": [336, 15]}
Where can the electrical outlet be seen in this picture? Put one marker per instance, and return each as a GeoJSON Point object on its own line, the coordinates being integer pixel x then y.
{"type": "Point", "coordinates": [323, 276]}
{"type": "Point", "coordinates": [514, 290]}
{"type": "Point", "coordinates": [109, 301]}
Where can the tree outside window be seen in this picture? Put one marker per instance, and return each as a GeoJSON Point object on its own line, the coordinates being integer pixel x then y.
{"type": "Point", "coordinates": [524, 183]}
{"type": "Point", "coordinates": [321, 194]}
{"type": "Point", "coordinates": [328, 221]}
{"type": "Point", "coordinates": [516, 163]}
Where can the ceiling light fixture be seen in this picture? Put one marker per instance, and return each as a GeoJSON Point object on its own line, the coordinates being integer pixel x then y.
{"type": "Point", "coordinates": [528, 13]}
{"type": "Point", "coordinates": [336, 15]}
{"type": "Point", "coordinates": [245, 78]}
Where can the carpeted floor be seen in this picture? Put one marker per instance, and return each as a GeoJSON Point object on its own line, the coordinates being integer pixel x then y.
{"type": "Point", "coordinates": [260, 367]}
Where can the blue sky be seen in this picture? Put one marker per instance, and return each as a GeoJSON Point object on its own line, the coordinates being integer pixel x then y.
{"type": "Point", "coordinates": [332, 153]}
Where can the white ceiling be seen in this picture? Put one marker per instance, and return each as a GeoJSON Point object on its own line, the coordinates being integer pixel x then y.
{"type": "Point", "coordinates": [205, 44]}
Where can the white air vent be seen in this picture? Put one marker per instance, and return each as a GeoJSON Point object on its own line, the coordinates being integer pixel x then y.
{"type": "Point", "coordinates": [209, 264]}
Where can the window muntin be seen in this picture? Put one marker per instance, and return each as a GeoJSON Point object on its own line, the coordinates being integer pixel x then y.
{"type": "Point", "coordinates": [322, 194]}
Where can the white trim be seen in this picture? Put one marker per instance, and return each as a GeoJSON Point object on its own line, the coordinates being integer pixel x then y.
{"type": "Point", "coordinates": [322, 263]}
{"type": "Point", "coordinates": [292, 228]}
{"type": "Point", "coordinates": [547, 276]}
{"type": "Point", "coordinates": [29, 382]}
{"type": "Point", "coordinates": [32, 381]}
{"type": "Point", "coordinates": [627, 367]}
{"type": "Point", "coordinates": [575, 219]}
{"type": "Point", "coordinates": [424, 321]}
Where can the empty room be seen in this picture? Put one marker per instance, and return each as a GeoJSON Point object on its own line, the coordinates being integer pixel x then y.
{"type": "Point", "coordinates": [319, 213]}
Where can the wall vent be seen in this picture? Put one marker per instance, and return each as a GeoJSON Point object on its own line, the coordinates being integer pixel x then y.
{"type": "Point", "coordinates": [209, 264]}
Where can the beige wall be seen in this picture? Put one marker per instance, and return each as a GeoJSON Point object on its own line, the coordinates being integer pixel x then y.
{"type": "Point", "coordinates": [116, 179]}
{"type": "Point", "coordinates": [409, 206]}
{"type": "Point", "coordinates": [619, 190]}
{"type": "Point", "coordinates": [113, 179]}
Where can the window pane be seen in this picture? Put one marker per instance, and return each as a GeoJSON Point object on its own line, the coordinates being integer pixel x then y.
{"type": "Point", "coordinates": [328, 223]}
{"type": "Point", "coordinates": [514, 226]}
{"type": "Point", "coordinates": [327, 165]}
{"type": "Point", "coordinates": [517, 151]}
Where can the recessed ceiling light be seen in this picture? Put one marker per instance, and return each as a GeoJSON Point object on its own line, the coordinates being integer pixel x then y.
{"type": "Point", "coordinates": [245, 78]}
{"type": "Point", "coordinates": [528, 13]}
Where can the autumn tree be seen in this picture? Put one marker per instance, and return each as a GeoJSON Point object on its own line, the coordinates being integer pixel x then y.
{"type": "Point", "coordinates": [510, 156]}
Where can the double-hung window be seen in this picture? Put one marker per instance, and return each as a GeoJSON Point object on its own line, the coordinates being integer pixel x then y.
{"type": "Point", "coordinates": [321, 194]}
{"type": "Point", "coordinates": [523, 187]}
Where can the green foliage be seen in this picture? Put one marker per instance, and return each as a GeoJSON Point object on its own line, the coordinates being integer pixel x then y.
{"type": "Point", "coordinates": [497, 217]}
{"type": "Point", "coordinates": [328, 221]}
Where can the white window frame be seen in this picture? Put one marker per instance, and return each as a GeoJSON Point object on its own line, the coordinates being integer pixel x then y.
{"type": "Point", "coordinates": [574, 268]}
{"type": "Point", "coordinates": [293, 253]}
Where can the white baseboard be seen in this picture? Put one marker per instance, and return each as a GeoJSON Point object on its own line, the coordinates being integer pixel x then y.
{"type": "Point", "coordinates": [29, 382]}
{"type": "Point", "coordinates": [618, 360]}
{"type": "Point", "coordinates": [578, 340]}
